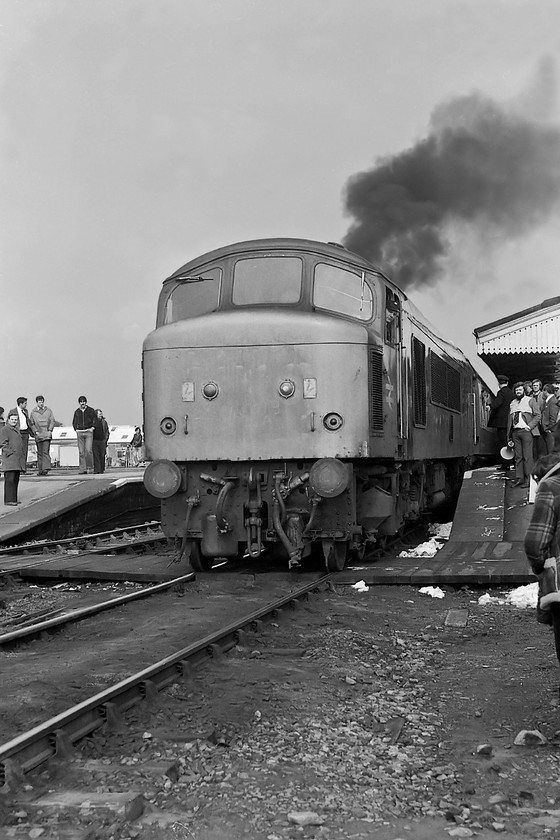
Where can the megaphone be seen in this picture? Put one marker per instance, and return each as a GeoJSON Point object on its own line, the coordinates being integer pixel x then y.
{"type": "Point", "coordinates": [506, 453]}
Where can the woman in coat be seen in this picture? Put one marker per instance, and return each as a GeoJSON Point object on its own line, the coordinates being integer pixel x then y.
{"type": "Point", "coordinates": [12, 457]}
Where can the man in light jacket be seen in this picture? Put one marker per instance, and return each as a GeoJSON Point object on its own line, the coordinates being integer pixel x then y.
{"type": "Point", "coordinates": [42, 423]}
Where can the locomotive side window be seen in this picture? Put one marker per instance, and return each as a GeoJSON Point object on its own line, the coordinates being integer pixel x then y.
{"type": "Point", "coordinates": [193, 296]}
{"type": "Point", "coordinates": [343, 291]}
{"type": "Point", "coordinates": [263, 280]}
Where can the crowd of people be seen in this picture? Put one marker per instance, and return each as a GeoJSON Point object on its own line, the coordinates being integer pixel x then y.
{"type": "Point", "coordinates": [526, 421]}
{"type": "Point", "coordinates": [92, 432]}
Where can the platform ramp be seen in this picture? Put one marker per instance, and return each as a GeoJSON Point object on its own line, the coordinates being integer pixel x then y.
{"type": "Point", "coordinates": [485, 546]}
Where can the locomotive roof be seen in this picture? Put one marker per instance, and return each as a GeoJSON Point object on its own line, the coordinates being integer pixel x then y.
{"type": "Point", "coordinates": [329, 249]}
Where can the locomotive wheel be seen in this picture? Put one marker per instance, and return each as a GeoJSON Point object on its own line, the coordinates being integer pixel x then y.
{"type": "Point", "coordinates": [198, 561]}
{"type": "Point", "coordinates": [335, 555]}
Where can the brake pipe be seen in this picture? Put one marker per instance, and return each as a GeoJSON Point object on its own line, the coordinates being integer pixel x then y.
{"type": "Point", "coordinates": [293, 552]}
{"type": "Point", "coordinates": [221, 521]}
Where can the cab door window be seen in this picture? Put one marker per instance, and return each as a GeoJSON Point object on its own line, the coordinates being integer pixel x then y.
{"type": "Point", "coordinates": [392, 317]}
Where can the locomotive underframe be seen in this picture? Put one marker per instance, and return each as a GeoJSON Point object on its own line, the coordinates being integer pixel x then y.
{"type": "Point", "coordinates": [230, 508]}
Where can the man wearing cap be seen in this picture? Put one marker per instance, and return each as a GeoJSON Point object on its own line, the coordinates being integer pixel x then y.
{"type": "Point", "coordinates": [499, 412]}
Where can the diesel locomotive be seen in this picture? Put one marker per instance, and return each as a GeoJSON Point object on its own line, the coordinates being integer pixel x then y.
{"type": "Point", "coordinates": [295, 399]}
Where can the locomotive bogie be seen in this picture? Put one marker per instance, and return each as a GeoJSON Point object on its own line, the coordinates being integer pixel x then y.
{"type": "Point", "coordinates": [246, 507]}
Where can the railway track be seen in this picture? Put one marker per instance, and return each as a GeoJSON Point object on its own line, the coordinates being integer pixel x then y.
{"type": "Point", "coordinates": [56, 736]}
{"type": "Point", "coordinates": [30, 627]}
{"type": "Point", "coordinates": [103, 542]}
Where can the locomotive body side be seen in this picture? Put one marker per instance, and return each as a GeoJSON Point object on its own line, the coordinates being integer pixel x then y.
{"type": "Point", "coordinates": [307, 405]}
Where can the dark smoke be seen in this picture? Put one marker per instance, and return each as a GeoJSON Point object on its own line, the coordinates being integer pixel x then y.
{"type": "Point", "coordinates": [481, 164]}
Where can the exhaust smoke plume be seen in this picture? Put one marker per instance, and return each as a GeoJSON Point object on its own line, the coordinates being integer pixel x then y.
{"type": "Point", "coordinates": [491, 168]}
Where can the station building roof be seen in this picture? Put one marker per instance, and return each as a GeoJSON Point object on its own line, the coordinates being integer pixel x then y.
{"type": "Point", "coordinates": [524, 345]}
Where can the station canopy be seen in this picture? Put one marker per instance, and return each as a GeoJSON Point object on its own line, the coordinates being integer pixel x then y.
{"type": "Point", "coordinates": [525, 345]}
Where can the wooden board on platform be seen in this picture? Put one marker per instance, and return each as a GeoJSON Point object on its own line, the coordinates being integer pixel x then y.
{"type": "Point", "coordinates": [458, 564]}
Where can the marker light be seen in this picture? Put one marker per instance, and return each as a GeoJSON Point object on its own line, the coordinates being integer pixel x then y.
{"type": "Point", "coordinates": [210, 391]}
{"type": "Point", "coordinates": [162, 479]}
{"type": "Point", "coordinates": [286, 389]}
{"type": "Point", "coordinates": [332, 421]}
{"type": "Point", "coordinates": [168, 425]}
{"type": "Point", "coordinates": [328, 477]}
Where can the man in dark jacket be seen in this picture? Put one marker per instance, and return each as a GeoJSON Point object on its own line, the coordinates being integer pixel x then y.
{"type": "Point", "coordinates": [23, 426]}
{"type": "Point", "coordinates": [499, 412]}
{"type": "Point", "coordinates": [549, 417]}
{"type": "Point", "coordinates": [84, 423]}
{"type": "Point", "coordinates": [100, 438]}
{"type": "Point", "coordinates": [12, 457]}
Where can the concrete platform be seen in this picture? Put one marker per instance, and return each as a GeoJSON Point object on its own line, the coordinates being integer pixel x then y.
{"type": "Point", "coordinates": [44, 499]}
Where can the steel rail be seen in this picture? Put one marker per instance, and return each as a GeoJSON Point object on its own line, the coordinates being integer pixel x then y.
{"type": "Point", "coordinates": [57, 735]}
{"type": "Point", "coordinates": [77, 615]}
{"type": "Point", "coordinates": [39, 545]}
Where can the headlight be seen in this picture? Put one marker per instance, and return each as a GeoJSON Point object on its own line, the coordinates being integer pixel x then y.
{"type": "Point", "coordinates": [328, 477]}
{"type": "Point", "coordinates": [162, 479]}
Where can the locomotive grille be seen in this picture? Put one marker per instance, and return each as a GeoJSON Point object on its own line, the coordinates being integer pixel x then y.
{"type": "Point", "coordinates": [375, 390]}
{"type": "Point", "coordinates": [446, 384]}
{"type": "Point", "coordinates": [419, 381]}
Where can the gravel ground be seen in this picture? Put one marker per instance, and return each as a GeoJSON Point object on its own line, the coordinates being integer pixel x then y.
{"type": "Point", "coordinates": [364, 716]}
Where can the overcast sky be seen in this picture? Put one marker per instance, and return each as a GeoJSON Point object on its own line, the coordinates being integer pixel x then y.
{"type": "Point", "coordinates": [138, 134]}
